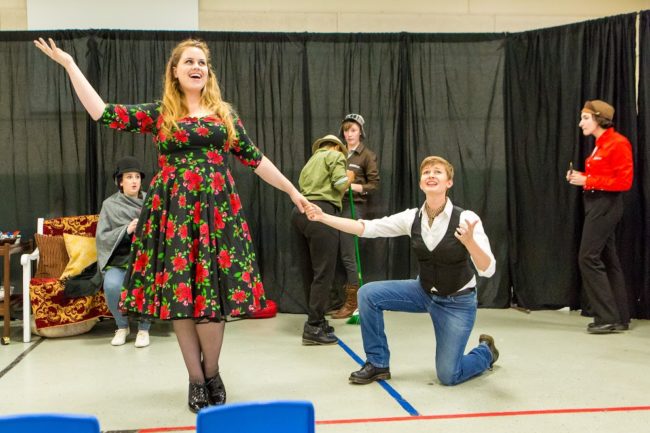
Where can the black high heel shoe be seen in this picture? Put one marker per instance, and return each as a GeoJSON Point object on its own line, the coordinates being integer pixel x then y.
{"type": "Point", "coordinates": [216, 390]}
{"type": "Point", "coordinates": [197, 397]}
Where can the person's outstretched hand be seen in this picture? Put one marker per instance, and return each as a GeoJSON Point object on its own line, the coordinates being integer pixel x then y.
{"type": "Point", "coordinates": [53, 52]}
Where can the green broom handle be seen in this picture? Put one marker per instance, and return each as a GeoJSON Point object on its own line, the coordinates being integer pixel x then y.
{"type": "Point", "coordinates": [356, 240]}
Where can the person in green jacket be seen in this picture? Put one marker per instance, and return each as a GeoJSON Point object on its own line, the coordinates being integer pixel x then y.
{"type": "Point", "coordinates": [323, 181]}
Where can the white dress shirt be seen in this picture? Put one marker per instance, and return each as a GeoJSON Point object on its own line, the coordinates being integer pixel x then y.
{"type": "Point", "coordinates": [399, 224]}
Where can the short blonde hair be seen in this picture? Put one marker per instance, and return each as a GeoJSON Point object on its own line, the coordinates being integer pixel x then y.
{"type": "Point", "coordinates": [431, 160]}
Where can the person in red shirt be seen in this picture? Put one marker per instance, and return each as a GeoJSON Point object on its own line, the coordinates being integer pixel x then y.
{"type": "Point", "coordinates": [608, 172]}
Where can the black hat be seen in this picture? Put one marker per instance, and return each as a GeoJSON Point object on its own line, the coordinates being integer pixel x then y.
{"type": "Point", "coordinates": [126, 165]}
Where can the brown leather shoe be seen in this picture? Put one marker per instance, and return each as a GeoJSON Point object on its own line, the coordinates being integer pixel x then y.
{"type": "Point", "coordinates": [350, 302]}
{"type": "Point", "coordinates": [489, 342]}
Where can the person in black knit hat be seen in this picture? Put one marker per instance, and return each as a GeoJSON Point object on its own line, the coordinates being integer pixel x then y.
{"type": "Point", "coordinates": [363, 163]}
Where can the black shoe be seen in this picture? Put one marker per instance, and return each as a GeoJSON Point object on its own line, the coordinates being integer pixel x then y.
{"type": "Point", "coordinates": [315, 335]}
{"type": "Point", "coordinates": [369, 373]}
{"type": "Point", "coordinates": [604, 328]}
{"type": "Point", "coordinates": [617, 326]}
{"type": "Point", "coordinates": [197, 397]}
{"type": "Point", "coordinates": [216, 390]}
{"type": "Point", "coordinates": [489, 342]}
{"type": "Point", "coordinates": [326, 327]}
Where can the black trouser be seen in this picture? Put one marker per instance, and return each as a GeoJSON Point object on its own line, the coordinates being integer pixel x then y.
{"type": "Point", "coordinates": [602, 276]}
{"type": "Point", "coordinates": [317, 248]}
{"type": "Point", "coordinates": [346, 244]}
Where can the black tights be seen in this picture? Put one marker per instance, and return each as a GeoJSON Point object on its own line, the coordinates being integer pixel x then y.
{"type": "Point", "coordinates": [200, 345]}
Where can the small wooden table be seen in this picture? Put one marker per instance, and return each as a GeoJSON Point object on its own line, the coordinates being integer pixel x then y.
{"type": "Point", "coordinates": [6, 251]}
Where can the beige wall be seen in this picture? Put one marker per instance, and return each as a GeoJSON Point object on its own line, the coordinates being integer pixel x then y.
{"type": "Point", "coordinates": [13, 14]}
{"type": "Point", "coordinates": [417, 16]}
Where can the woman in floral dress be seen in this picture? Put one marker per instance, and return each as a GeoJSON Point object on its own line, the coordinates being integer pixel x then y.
{"type": "Point", "coordinates": [192, 259]}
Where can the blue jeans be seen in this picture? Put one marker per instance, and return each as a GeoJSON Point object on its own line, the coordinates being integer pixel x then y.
{"type": "Point", "coordinates": [113, 281]}
{"type": "Point", "coordinates": [453, 319]}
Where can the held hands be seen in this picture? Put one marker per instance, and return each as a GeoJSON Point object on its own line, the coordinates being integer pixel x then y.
{"type": "Point", "coordinates": [299, 200]}
{"type": "Point", "coordinates": [350, 174]}
{"type": "Point", "coordinates": [53, 52]}
{"type": "Point", "coordinates": [465, 232]}
{"type": "Point", "coordinates": [576, 177]}
{"type": "Point", "coordinates": [132, 225]}
{"type": "Point", "coordinates": [314, 213]}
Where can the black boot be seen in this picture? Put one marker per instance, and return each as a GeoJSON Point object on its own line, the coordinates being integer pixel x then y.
{"type": "Point", "coordinates": [327, 328]}
{"type": "Point", "coordinates": [216, 390]}
{"type": "Point", "coordinates": [316, 335]}
{"type": "Point", "coordinates": [369, 373]}
{"type": "Point", "coordinates": [197, 397]}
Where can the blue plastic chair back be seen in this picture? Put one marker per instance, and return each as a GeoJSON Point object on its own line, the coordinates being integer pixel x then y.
{"type": "Point", "coordinates": [49, 423]}
{"type": "Point", "coordinates": [258, 417]}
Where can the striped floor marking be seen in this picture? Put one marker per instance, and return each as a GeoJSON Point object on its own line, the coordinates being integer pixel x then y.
{"type": "Point", "coordinates": [389, 389]}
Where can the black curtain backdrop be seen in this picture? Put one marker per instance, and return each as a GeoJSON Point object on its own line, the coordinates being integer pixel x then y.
{"type": "Point", "coordinates": [421, 94]}
{"type": "Point", "coordinates": [642, 290]}
{"type": "Point", "coordinates": [550, 73]}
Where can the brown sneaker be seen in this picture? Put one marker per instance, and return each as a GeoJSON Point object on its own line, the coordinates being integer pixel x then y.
{"type": "Point", "coordinates": [489, 342]}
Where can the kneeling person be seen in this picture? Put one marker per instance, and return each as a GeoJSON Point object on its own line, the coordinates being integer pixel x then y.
{"type": "Point", "coordinates": [449, 243]}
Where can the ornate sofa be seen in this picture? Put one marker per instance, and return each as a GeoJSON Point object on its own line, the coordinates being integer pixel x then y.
{"type": "Point", "coordinates": [43, 294]}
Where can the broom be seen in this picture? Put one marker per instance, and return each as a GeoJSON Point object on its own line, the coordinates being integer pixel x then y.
{"type": "Point", "coordinates": [355, 319]}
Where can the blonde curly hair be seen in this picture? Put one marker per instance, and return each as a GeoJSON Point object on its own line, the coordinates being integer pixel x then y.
{"type": "Point", "coordinates": [173, 102]}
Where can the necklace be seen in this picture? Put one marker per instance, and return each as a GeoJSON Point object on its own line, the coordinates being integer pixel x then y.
{"type": "Point", "coordinates": [432, 214]}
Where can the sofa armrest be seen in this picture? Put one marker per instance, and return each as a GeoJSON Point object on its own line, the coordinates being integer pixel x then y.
{"type": "Point", "coordinates": [26, 259]}
{"type": "Point", "coordinates": [26, 262]}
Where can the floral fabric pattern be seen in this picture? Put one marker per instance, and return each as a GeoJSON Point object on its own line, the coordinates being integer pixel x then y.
{"type": "Point", "coordinates": [192, 255]}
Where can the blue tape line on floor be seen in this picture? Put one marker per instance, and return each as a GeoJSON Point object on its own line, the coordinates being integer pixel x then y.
{"type": "Point", "coordinates": [389, 389]}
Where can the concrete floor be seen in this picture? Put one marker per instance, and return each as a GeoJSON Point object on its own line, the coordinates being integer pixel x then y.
{"type": "Point", "coordinates": [551, 377]}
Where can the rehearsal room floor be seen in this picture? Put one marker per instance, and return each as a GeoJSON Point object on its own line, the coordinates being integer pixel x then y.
{"type": "Point", "coordinates": [551, 377]}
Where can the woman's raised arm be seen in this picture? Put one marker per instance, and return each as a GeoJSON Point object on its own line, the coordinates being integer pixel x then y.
{"type": "Point", "coordinates": [91, 101]}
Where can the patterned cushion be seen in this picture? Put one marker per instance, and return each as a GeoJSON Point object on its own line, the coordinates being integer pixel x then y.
{"type": "Point", "coordinates": [52, 256]}
{"type": "Point", "coordinates": [83, 225]}
{"type": "Point", "coordinates": [82, 252]}
{"type": "Point", "coordinates": [52, 309]}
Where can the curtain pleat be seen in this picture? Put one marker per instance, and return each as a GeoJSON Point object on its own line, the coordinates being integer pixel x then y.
{"type": "Point", "coordinates": [550, 73]}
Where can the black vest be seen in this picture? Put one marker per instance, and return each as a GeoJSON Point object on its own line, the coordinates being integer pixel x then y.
{"type": "Point", "coordinates": [448, 267]}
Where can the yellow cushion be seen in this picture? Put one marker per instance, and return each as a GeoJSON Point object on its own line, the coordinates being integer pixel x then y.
{"type": "Point", "coordinates": [82, 253]}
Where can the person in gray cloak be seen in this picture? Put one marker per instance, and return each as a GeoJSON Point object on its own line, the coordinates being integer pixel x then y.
{"type": "Point", "coordinates": [117, 222]}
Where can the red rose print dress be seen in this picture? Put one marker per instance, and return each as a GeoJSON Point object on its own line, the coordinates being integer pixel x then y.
{"type": "Point", "coordinates": [192, 255]}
